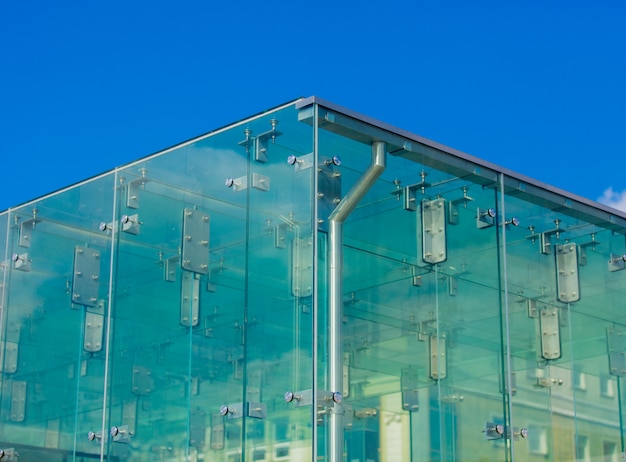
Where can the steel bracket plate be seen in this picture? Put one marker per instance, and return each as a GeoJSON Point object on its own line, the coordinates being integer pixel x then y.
{"type": "Point", "coordinates": [438, 357]}
{"type": "Point", "coordinates": [18, 401]}
{"type": "Point", "coordinates": [616, 342]}
{"type": "Point", "coordinates": [9, 355]}
{"type": "Point", "coordinates": [142, 383]}
{"type": "Point", "coordinates": [190, 299]}
{"type": "Point", "coordinates": [235, 411]}
{"type": "Point", "coordinates": [568, 285]}
{"type": "Point", "coordinates": [10, 455]}
{"type": "Point", "coordinates": [218, 433]}
{"type": "Point", "coordinates": [328, 192]}
{"type": "Point", "coordinates": [434, 231]}
{"type": "Point", "coordinates": [484, 218]}
{"type": "Point", "coordinates": [302, 267]}
{"type": "Point", "coordinates": [256, 410]}
{"type": "Point", "coordinates": [122, 435]}
{"type": "Point", "coordinates": [197, 428]}
{"type": "Point", "coordinates": [169, 268]}
{"type": "Point", "coordinates": [129, 415]}
{"type": "Point", "coordinates": [304, 162]}
{"type": "Point", "coordinates": [131, 224]}
{"type": "Point", "coordinates": [410, 393]}
{"type": "Point", "coordinates": [21, 262]}
{"type": "Point", "coordinates": [280, 235]}
{"type": "Point", "coordinates": [550, 333]}
{"type": "Point", "coordinates": [616, 263]}
{"type": "Point", "coordinates": [86, 280]}
{"type": "Point", "coordinates": [94, 328]}
{"type": "Point", "coordinates": [410, 198]}
{"type": "Point", "coordinates": [195, 248]}
{"type": "Point", "coordinates": [132, 193]}
{"type": "Point", "coordinates": [260, 182]}
{"type": "Point", "coordinates": [493, 431]}
{"type": "Point", "coordinates": [26, 231]}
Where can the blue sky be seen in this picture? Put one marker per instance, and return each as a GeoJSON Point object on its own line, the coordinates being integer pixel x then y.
{"type": "Point", "coordinates": [538, 87]}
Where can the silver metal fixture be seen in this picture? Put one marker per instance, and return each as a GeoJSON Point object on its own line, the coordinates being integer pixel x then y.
{"type": "Point", "coordinates": [617, 262]}
{"type": "Point", "coordinates": [120, 434]}
{"type": "Point", "coordinates": [9, 455]}
{"type": "Point", "coordinates": [290, 396]}
{"type": "Point", "coordinates": [434, 231]}
{"type": "Point", "coordinates": [86, 276]}
{"type": "Point", "coordinates": [335, 160]}
{"type": "Point", "coordinates": [485, 218]}
{"type": "Point", "coordinates": [131, 224]}
{"type": "Point", "coordinates": [453, 206]}
{"type": "Point", "coordinates": [567, 279]}
{"type": "Point", "coordinates": [523, 432]}
{"type": "Point", "coordinates": [550, 333]}
{"type": "Point", "coordinates": [21, 262]}
{"type": "Point", "coordinates": [513, 221]}
{"type": "Point", "coordinates": [195, 248]}
{"type": "Point", "coordinates": [91, 436]}
{"type": "Point", "coordinates": [616, 343]}
{"type": "Point", "coordinates": [133, 188]}
{"type": "Point", "coordinates": [493, 431]}
{"type": "Point", "coordinates": [337, 397]}
{"type": "Point", "coordinates": [27, 227]}
{"type": "Point", "coordinates": [291, 160]}
{"type": "Point", "coordinates": [547, 382]}
{"type": "Point", "coordinates": [335, 290]}
{"type": "Point", "coordinates": [229, 182]}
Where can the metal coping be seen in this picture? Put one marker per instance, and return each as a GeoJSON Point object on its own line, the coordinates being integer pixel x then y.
{"type": "Point", "coordinates": [542, 193]}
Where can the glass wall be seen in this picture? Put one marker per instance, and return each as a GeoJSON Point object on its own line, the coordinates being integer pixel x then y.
{"type": "Point", "coordinates": [306, 285]}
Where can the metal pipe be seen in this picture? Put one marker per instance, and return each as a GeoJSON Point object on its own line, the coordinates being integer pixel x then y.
{"type": "Point", "coordinates": [335, 293]}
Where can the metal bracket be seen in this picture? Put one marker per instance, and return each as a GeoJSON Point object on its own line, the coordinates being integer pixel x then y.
{"type": "Point", "coordinates": [190, 299]}
{"type": "Point", "coordinates": [132, 193]}
{"type": "Point", "coordinates": [197, 428]}
{"type": "Point", "coordinates": [410, 392]}
{"type": "Point", "coordinates": [26, 231]}
{"type": "Point", "coordinates": [434, 231]}
{"type": "Point", "coordinates": [438, 357]}
{"type": "Point", "coordinates": [9, 355]}
{"type": "Point", "coordinates": [410, 197]}
{"type": "Point", "coordinates": [546, 238]}
{"type": "Point", "coordinates": [485, 218]}
{"type": "Point", "coordinates": [218, 433]}
{"type": "Point", "coordinates": [260, 182]}
{"type": "Point", "coordinates": [131, 224]}
{"type": "Point", "coordinates": [21, 262]}
{"type": "Point", "coordinates": [86, 280]}
{"type": "Point", "coordinates": [547, 382]}
{"type": "Point", "coordinates": [9, 455]}
{"type": "Point", "coordinates": [261, 141]}
{"type": "Point", "coordinates": [302, 267]}
{"type": "Point", "coordinates": [305, 397]}
{"type": "Point", "coordinates": [142, 383]}
{"type": "Point", "coordinates": [18, 401]}
{"type": "Point", "coordinates": [280, 235]}
{"type": "Point", "coordinates": [233, 411]}
{"type": "Point", "coordinates": [453, 207]}
{"type": "Point", "coordinates": [493, 431]}
{"type": "Point", "coordinates": [617, 262]}
{"type": "Point", "coordinates": [301, 162]}
{"type": "Point", "coordinates": [169, 268]}
{"type": "Point", "coordinates": [195, 248]}
{"type": "Point", "coordinates": [616, 343]}
{"type": "Point", "coordinates": [550, 333]}
{"type": "Point", "coordinates": [121, 434]}
{"type": "Point", "coordinates": [568, 285]}
{"type": "Point", "coordinates": [94, 329]}
{"type": "Point", "coordinates": [328, 191]}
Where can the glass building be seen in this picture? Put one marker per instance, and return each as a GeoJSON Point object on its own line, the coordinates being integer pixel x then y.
{"type": "Point", "coordinates": [310, 284]}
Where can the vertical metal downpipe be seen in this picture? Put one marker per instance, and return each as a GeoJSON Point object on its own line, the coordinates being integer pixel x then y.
{"type": "Point", "coordinates": [335, 293]}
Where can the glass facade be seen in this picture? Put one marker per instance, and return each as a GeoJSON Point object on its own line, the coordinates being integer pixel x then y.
{"type": "Point", "coordinates": [311, 285]}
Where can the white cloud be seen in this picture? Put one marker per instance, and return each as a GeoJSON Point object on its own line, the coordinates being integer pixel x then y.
{"type": "Point", "coordinates": [614, 199]}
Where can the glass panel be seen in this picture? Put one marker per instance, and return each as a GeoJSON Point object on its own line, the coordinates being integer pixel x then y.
{"type": "Point", "coordinates": [208, 334]}
{"type": "Point", "coordinates": [57, 283]}
{"type": "Point", "coordinates": [564, 304]}
{"type": "Point", "coordinates": [421, 333]}
{"type": "Point", "coordinates": [278, 306]}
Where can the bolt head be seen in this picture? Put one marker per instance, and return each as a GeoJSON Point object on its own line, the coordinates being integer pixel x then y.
{"type": "Point", "coordinates": [223, 409]}
{"type": "Point", "coordinates": [500, 429]}
{"type": "Point", "coordinates": [289, 396]}
{"type": "Point", "coordinates": [337, 397]}
{"type": "Point", "coordinates": [491, 213]}
{"type": "Point", "coordinates": [102, 226]}
{"type": "Point", "coordinates": [91, 436]}
{"type": "Point", "coordinates": [292, 159]}
{"type": "Point", "coordinates": [515, 221]}
{"type": "Point", "coordinates": [336, 160]}
{"type": "Point", "coordinates": [115, 431]}
{"type": "Point", "coordinates": [524, 432]}
{"type": "Point", "coordinates": [229, 182]}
